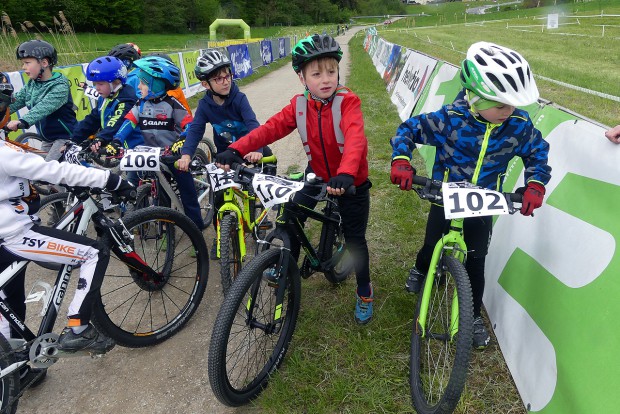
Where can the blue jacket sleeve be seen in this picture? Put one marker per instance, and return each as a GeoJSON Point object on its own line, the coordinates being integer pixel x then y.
{"type": "Point", "coordinates": [87, 126]}
{"type": "Point", "coordinates": [426, 129]}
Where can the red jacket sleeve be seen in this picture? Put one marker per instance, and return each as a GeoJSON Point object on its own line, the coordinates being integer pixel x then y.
{"type": "Point", "coordinates": [276, 127]}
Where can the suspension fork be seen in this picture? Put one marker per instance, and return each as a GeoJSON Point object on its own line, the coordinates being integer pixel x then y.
{"type": "Point", "coordinates": [451, 241]}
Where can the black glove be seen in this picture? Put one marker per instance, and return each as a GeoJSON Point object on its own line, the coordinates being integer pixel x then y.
{"type": "Point", "coordinates": [229, 157]}
{"type": "Point", "coordinates": [343, 181]}
{"type": "Point", "coordinates": [113, 148]}
{"type": "Point", "coordinates": [121, 187]}
{"type": "Point", "coordinates": [177, 145]}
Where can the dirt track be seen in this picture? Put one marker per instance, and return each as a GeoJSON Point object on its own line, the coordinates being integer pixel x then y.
{"type": "Point", "coordinates": [171, 377]}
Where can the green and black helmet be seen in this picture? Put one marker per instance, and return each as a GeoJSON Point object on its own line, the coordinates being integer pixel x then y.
{"type": "Point", "coordinates": [314, 47]}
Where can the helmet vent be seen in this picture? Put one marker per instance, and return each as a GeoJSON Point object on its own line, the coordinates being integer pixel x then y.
{"type": "Point", "coordinates": [480, 60]}
{"type": "Point", "coordinates": [521, 76]}
{"type": "Point", "coordinates": [501, 63]}
{"type": "Point", "coordinates": [496, 82]}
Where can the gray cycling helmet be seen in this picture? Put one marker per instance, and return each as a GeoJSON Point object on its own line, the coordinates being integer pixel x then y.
{"type": "Point", "coordinates": [38, 49]}
{"type": "Point", "coordinates": [210, 62]}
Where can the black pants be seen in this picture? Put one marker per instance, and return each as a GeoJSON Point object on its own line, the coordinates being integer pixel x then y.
{"type": "Point", "coordinates": [477, 232]}
{"type": "Point", "coordinates": [354, 211]}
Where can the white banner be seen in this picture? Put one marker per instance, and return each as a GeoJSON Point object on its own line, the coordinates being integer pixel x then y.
{"type": "Point", "coordinates": [415, 74]}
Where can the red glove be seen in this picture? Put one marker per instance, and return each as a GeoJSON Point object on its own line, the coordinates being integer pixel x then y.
{"type": "Point", "coordinates": [402, 174]}
{"type": "Point", "coordinates": [532, 198]}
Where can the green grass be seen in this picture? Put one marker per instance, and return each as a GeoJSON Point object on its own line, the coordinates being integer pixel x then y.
{"type": "Point", "coordinates": [334, 365]}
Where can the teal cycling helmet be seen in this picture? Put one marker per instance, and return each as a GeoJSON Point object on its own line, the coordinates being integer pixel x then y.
{"type": "Point", "coordinates": [498, 74]}
{"type": "Point", "coordinates": [160, 68]}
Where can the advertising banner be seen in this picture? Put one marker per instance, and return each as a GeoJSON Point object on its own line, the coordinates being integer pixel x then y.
{"type": "Point", "coordinates": [282, 47]}
{"type": "Point", "coordinates": [265, 52]}
{"type": "Point", "coordinates": [414, 75]}
{"type": "Point", "coordinates": [240, 59]}
{"type": "Point", "coordinates": [191, 85]}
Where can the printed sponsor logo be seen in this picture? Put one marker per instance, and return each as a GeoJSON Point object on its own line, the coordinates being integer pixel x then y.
{"type": "Point", "coordinates": [62, 289]}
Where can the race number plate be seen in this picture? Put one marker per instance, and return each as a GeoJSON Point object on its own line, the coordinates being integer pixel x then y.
{"type": "Point", "coordinates": [141, 158]}
{"type": "Point", "coordinates": [461, 200]}
{"type": "Point", "coordinates": [220, 179]}
{"type": "Point", "coordinates": [274, 190]}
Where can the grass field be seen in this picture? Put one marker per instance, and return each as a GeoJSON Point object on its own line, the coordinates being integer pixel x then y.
{"type": "Point", "coordinates": [576, 53]}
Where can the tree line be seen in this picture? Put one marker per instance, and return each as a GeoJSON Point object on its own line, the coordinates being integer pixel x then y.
{"type": "Point", "coordinates": [180, 16]}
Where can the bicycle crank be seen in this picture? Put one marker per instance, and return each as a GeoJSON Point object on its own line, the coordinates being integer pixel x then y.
{"type": "Point", "coordinates": [43, 351]}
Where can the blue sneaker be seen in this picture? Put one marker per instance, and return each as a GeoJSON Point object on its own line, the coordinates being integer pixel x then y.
{"type": "Point", "coordinates": [363, 308]}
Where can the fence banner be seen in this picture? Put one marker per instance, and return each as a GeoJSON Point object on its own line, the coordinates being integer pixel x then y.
{"type": "Point", "coordinates": [240, 59]}
{"type": "Point", "coordinates": [282, 47]}
{"type": "Point", "coordinates": [266, 52]}
{"type": "Point", "coordinates": [551, 279]}
{"type": "Point", "coordinates": [413, 78]}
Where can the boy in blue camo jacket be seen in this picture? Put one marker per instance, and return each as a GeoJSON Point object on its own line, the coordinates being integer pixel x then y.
{"type": "Point", "coordinates": [475, 138]}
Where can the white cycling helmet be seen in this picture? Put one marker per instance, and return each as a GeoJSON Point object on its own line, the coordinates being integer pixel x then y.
{"type": "Point", "coordinates": [499, 74]}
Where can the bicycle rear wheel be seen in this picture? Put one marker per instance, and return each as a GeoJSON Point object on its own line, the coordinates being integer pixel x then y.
{"type": "Point", "coordinates": [138, 309]}
{"type": "Point", "coordinates": [230, 251]}
{"type": "Point", "coordinates": [440, 354]}
{"type": "Point", "coordinates": [9, 384]}
{"type": "Point", "coordinates": [247, 345]}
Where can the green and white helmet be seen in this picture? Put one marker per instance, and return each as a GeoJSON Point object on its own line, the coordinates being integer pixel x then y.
{"type": "Point", "coordinates": [314, 47]}
{"type": "Point", "coordinates": [499, 74]}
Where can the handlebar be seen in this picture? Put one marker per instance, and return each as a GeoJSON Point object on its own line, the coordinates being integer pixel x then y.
{"type": "Point", "coordinates": [313, 182]}
{"type": "Point", "coordinates": [431, 190]}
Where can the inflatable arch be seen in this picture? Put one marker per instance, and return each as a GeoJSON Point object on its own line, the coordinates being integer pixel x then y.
{"type": "Point", "coordinates": [228, 22]}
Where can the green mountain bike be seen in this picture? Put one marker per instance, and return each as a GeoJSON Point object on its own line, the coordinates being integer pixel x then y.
{"type": "Point", "coordinates": [242, 220]}
{"type": "Point", "coordinates": [442, 335]}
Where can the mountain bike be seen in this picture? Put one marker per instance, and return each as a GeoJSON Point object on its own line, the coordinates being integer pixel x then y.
{"type": "Point", "coordinates": [147, 294]}
{"type": "Point", "coordinates": [241, 218]}
{"type": "Point", "coordinates": [158, 187]}
{"type": "Point", "coordinates": [256, 321]}
{"type": "Point", "coordinates": [442, 334]}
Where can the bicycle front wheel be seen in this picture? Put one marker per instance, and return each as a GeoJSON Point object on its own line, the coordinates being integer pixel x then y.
{"type": "Point", "coordinates": [440, 351]}
{"type": "Point", "coordinates": [137, 309]}
{"type": "Point", "coordinates": [9, 384]}
{"type": "Point", "coordinates": [230, 251]}
{"type": "Point", "coordinates": [335, 250]}
{"type": "Point", "coordinates": [247, 343]}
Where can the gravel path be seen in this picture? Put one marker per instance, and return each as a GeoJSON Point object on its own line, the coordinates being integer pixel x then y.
{"type": "Point", "coordinates": [170, 377]}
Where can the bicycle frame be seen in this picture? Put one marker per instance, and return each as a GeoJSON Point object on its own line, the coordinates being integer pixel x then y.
{"type": "Point", "coordinates": [239, 201]}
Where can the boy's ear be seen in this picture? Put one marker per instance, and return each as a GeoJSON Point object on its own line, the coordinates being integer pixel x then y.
{"type": "Point", "coordinates": [206, 85]}
{"type": "Point", "coordinates": [301, 78]}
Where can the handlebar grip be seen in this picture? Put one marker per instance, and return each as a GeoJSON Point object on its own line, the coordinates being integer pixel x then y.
{"type": "Point", "coordinates": [516, 197]}
{"type": "Point", "coordinates": [419, 180]}
{"type": "Point", "coordinates": [352, 190]}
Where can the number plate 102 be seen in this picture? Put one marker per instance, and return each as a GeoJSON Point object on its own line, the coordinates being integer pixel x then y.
{"type": "Point", "coordinates": [461, 200]}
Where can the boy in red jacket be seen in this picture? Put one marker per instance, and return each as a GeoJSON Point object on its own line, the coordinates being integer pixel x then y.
{"type": "Point", "coordinates": [329, 120]}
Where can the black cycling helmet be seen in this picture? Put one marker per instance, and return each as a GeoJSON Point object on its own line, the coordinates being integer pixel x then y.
{"type": "Point", "coordinates": [38, 49]}
{"type": "Point", "coordinates": [314, 47]}
{"type": "Point", "coordinates": [210, 62]}
{"type": "Point", "coordinates": [125, 52]}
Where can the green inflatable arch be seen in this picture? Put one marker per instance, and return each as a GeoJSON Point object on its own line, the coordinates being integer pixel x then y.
{"type": "Point", "coordinates": [228, 22]}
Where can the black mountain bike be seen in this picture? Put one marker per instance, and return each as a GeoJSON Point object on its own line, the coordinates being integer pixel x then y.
{"type": "Point", "coordinates": [257, 318]}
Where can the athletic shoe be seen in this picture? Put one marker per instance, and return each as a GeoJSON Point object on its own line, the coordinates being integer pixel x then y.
{"type": "Point", "coordinates": [414, 281]}
{"type": "Point", "coordinates": [363, 308]}
{"type": "Point", "coordinates": [88, 340]}
{"type": "Point", "coordinates": [481, 336]}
